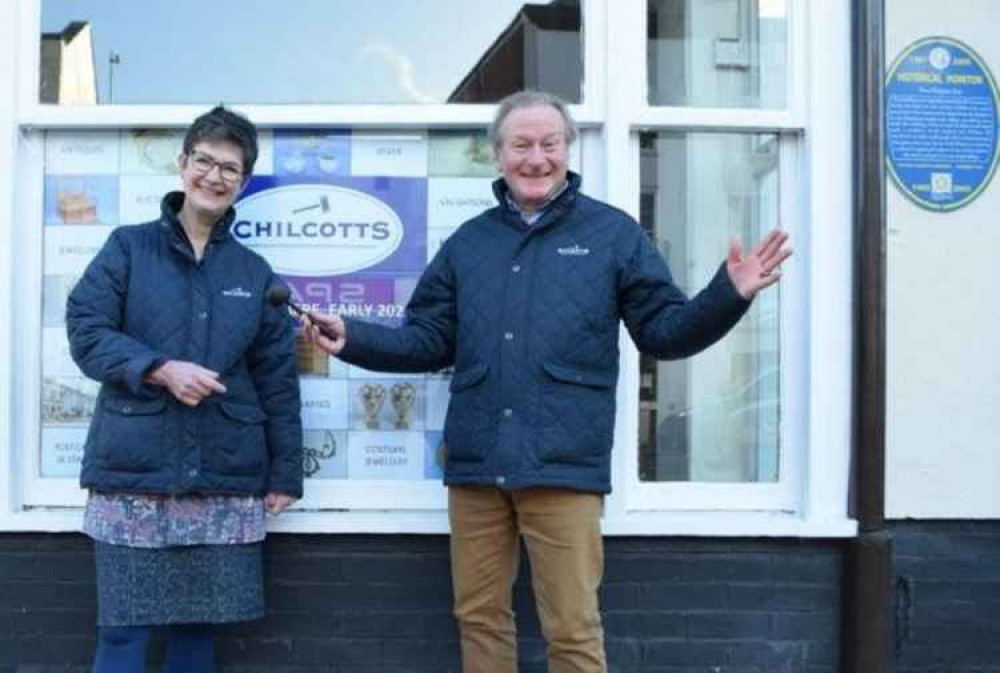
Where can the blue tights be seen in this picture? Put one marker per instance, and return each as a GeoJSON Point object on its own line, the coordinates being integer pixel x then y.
{"type": "Point", "coordinates": [122, 649]}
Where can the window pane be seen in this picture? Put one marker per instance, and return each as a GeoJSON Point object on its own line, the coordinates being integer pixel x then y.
{"type": "Point", "coordinates": [713, 417]}
{"type": "Point", "coordinates": [306, 51]}
{"type": "Point", "coordinates": [311, 208]}
{"type": "Point", "coordinates": [727, 53]}
{"type": "Point", "coordinates": [312, 199]}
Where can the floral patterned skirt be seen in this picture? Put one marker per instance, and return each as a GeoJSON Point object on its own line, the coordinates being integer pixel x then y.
{"type": "Point", "coordinates": [207, 584]}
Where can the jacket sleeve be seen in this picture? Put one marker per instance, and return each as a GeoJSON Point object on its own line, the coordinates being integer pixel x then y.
{"type": "Point", "coordinates": [662, 321]}
{"type": "Point", "coordinates": [426, 339]}
{"type": "Point", "coordinates": [273, 366]}
{"type": "Point", "coordinates": [95, 313]}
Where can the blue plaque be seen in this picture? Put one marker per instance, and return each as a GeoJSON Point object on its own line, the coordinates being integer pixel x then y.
{"type": "Point", "coordinates": [941, 123]}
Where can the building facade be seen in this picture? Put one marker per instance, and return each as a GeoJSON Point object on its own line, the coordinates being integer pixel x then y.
{"type": "Point", "coordinates": [733, 527]}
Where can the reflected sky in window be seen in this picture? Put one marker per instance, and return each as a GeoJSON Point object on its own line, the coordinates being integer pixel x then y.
{"type": "Point", "coordinates": [297, 51]}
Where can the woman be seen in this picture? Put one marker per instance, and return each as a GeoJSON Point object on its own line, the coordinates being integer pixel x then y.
{"type": "Point", "coordinates": [197, 428]}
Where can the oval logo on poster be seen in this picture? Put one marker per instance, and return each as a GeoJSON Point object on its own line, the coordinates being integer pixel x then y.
{"type": "Point", "coordinates": [317, 230]}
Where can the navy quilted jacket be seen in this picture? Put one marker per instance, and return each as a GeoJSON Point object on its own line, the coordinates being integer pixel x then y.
{"type": "Point", "coordinates": [144, 299]}
{"type": "Point", "coordinates": [528, 316]}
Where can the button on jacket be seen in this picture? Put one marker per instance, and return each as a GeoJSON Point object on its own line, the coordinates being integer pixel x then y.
{"type": "Point", "coordinates": [528, 316]}
{"type": "Point", "coordinates": [145, 299]}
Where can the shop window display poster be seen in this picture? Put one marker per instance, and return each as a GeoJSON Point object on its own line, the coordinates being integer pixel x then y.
{"type": "Point", "coordinates": [349, 219]}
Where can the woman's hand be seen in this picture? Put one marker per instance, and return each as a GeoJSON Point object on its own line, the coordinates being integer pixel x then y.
{"type": "Point", "coordinates": [188, 382]}
{"type": "Point", "coordinates": [276, 503]}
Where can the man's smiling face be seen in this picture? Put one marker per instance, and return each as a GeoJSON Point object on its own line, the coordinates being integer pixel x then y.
{"type": "Point", "coordinates": [533, 155]}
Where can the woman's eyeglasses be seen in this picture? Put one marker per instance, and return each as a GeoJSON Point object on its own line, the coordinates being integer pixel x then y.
{"type": "Point", "coordinates": [203, 163]}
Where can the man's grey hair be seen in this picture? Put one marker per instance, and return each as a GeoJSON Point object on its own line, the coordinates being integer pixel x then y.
{"type": "Point", "coordinates": [525, 99]}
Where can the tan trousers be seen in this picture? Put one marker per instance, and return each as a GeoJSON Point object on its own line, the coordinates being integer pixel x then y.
{"type": "Point", "coordinates": [562, 533]}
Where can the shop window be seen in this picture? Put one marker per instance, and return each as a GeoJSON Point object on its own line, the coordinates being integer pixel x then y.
{"type": "Point", "coordinates": [713, 417]}
{"type": "Point", "coordinates": [306, 209]}
{"type": "Point", "coordinates": [353, 97]}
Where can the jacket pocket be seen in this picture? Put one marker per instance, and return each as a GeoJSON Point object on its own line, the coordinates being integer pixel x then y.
{"type": "Point", "coordinates": [582, 377]}
{"type": "Point", "coordinates": [130, 434]}
{"type": "Point", "coordinates": [469, 424]}
{"type": "Point", "coordinates": [577, 414]}
{"type": "Point", "coordinates": [236, 440]}
{"type": "Point", "coordinates": [468, 377]}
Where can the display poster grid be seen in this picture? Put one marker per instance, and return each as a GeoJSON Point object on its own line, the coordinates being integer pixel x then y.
{"type": "Point", "coordinates": [348, 219]}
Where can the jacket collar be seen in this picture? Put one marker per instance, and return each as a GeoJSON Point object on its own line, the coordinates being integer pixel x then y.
{"type": "Point", "coordinates": [170, 208]}
{"type": "Point", "coordinates": [555, 209]}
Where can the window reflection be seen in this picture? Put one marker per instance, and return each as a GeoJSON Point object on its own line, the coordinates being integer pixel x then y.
{"type": "Point", "coordinates": [714, 417]}
{"type": "Point", "coordinates": [728, 53]}
{"type": "Point", "coordinates": [307, 51]}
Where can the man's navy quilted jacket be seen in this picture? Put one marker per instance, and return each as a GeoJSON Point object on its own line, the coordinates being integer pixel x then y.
{"type": "Point", "coordinates": [528, 316]}
{"type": "Point", "coordinates": [144, 299]}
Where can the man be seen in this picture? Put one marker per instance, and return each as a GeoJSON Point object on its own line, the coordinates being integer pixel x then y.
{"type": "Point", "coordinates": [525, 301]}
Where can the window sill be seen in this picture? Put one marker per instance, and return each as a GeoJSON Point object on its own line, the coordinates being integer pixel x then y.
{"type": "Point", "coordinates": [665, 524]}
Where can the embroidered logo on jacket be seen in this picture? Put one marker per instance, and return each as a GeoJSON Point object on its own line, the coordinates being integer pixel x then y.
{"type": "Point", "coordinates": [575, 250]}
{"type": "Point", "coordinates": [237, 292]}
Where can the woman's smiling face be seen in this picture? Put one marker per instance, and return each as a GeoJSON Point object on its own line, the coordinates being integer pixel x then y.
{"type": "Point", "coordinates": [212, 177]}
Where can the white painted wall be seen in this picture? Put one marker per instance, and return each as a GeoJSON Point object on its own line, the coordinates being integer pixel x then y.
{"type": "Point", "coordinates": [943, 407]}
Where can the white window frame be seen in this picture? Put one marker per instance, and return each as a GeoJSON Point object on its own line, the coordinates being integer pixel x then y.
{"type": "Point", "coordinates": [8, 148]}
{"type": "Point", "coordinates": [800, 503]}
{"type": "Point", "coordinates": [810, 498]}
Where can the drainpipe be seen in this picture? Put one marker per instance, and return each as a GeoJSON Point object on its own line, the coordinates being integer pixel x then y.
{"type": "Point", "coordinates": [868, 562]}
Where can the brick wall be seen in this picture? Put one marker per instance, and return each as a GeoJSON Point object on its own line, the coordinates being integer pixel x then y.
{"type": "Point", "coordinates": [947, 596]}
{"type": "Point", "coordinates": [347, 604]}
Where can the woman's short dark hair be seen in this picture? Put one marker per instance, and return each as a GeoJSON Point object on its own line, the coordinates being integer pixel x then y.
{"type": "Point", "coordinates": [221, 123]}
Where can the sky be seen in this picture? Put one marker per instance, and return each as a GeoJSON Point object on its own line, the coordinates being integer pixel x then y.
{"type": "Point", "coordinates": [285, 51]}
